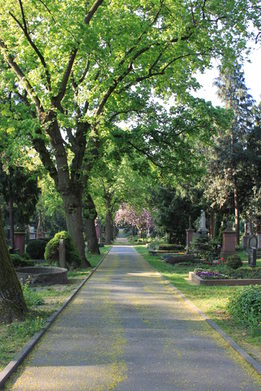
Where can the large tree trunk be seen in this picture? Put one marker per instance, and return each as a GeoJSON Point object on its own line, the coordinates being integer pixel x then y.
{"type": "Point", "coordinates": [108, 228]}
{"type": "Point", "coordinates": [73, 214]}
{"type": "Point", "coordinates": [12, 304]}
{"type": "Point", "coordinates": [90, 214]}
{"type": "Point", "coordinates": [90, 230]}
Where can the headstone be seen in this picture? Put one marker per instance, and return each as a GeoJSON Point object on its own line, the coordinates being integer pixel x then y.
{"type": "Point", "coordinates": [189, 236]}
{"type": "Point", "coordinates": [258, 241]}
{"type": "Point", "coordinates": [32, 234]}
{"type": "Point", "coordinates": [62, 253]}
{"type": "Point", "coordinates": [19, 242]}
{"type": "Point", "coordinates": [228, 243]}
{"type": "Point", "coordinates": [252, 250]}
{"type": "Point", "coordinates": [202, 228]}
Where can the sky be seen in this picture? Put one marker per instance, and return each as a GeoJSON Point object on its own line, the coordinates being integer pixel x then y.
{"type": "Point", "coordinates": [252, 78]}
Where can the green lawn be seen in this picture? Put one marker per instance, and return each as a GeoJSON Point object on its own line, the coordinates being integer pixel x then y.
{"type": "Point", "coordinates": [211, 300]}
{"type": "Point", "coordinates": [42, 302]}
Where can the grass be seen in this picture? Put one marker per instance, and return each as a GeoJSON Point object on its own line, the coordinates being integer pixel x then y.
{"type": "Point", "coordinates": [211, 300]}
{"type": "Point", "coordinates": [41, 302]}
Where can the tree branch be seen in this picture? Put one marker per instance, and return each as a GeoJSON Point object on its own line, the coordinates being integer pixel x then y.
{"type": "Point", "coordinates": [144, 152]}
{"type": "Point", "coordinates": [58, 98]}
{"type": "Point", "coordinates": [130, 68]}
{"type": "Point", "coordinates": [92, 11]}
{"type": "Point", "coordinates": [33, 45]}
{"type": "Point", "coordinates": [21, 76]}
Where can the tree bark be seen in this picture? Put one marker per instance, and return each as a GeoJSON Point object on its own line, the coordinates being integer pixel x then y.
{"type": "Point", "coordinates": [73, 213]}
{"type": "Point", "coordinates": [90, 214]}
{"type": "Point", "coordinates": [90, 231]}
{"type": "Point", "coordinates": [12, 304]}
{"type": "Point", "coordinates": [237, 214]}
{"type": "Point", "coordinates": [109, 228]}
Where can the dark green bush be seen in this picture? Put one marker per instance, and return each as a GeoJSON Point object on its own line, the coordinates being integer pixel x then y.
{"type": "Point", "coordinates": [204, 248]}
{"type": "Point", "coordinates": [234, 261]}
{"type": "Point", "coordinates": [36, 248]}
{"type": "Point", "coordinates": [19, 261]}
{"type": "Point", "coordinates": [245, 306]}
{"type": "Point", "coordinates": [175, 247]}
{"type": "Point", "coordinates": [72, 256]}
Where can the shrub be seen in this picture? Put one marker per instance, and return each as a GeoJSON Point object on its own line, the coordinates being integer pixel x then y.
{"type": "Point", "coordinates": [204, 248]}
{"type": "Point", "coordinates": [175, 247]}
{"type": "Point", "coordinates": [36, 248]}
{"type": "Point", "coordinates": [245, 306]}
{"type": "Point", "coordinates": [72, 257]}
{"type": "Point", "coordinates": [19, 261]}
{"type": "Point", "coordinates": [234, 261]}
{"type": "Point", "coordinates": [174, 259]}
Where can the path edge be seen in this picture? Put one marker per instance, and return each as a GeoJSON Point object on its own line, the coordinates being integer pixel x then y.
{"type": "Point", "coordinates": [250, 360]}
{"type": "Point", "coordinates": [12, 366]}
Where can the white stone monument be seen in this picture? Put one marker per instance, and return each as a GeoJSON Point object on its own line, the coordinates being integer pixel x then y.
{"type": "Point", "coordinates": [202, 228]}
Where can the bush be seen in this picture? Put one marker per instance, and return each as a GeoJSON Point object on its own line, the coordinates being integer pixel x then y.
{"type": "Point", "coordinates": [245, 306]}
{"type": "Point", "coordinates": [72, 257]}
{"type": "Point", "coordinates": [234, 261]}
{"type": "Point", "coordinates": [174, 259]}
{"type": "Point", "coordinates": [36, 248]}
{"type": "Point", "coordinates": [175, 247]}
{"type": "Point", "coordinates": [19, 261]}
{"type": "Point", "coordinates": [204, 248]}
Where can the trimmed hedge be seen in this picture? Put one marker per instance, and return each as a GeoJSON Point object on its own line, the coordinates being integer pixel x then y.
{"type": "Point", "coordinates": [36, 248]}
{"type": "Point", "coordinates": [72, 257]}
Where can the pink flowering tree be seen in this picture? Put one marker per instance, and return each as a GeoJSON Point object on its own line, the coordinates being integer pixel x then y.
{"type": "Point", "coordinates": [140, 219]}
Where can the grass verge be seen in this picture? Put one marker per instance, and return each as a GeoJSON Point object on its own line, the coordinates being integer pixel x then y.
{"type": "Point", "coordinates": [212, 300]}
{"type": "Point", "coordinates": [41, 302]}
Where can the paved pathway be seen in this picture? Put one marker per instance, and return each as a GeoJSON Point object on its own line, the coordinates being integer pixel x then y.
{"type": "Point", "coordinates": [126, 330]}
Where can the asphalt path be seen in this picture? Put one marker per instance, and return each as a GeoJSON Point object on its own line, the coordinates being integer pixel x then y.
{"type": "Point", "coordinates": [126, 330]}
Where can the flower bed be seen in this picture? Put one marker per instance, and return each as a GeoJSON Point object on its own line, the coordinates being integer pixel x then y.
{"type": "Point", "coordinates": [207, 279]}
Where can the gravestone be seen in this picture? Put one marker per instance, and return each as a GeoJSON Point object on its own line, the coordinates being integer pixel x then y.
{"type": "Point", "coordinates": [189, 236]}
{"type": "Point", "coordinates": [252, 250]}
{"type": "Point", "coordinates": [202, 228]}
{"type": "Point", "coordinates": [32, 233]}
{"type": "Point", "coordinates": [228, 243]}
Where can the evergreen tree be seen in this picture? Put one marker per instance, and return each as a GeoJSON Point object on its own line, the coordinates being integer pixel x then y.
{"type": "Point", "coordinates": [229, 182]}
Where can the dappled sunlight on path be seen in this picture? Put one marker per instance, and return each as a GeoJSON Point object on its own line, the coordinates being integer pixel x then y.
{"type": "Point", "coordinates": [128, 331]}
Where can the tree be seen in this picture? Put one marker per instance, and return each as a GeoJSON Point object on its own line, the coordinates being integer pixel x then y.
{"type": "Point", "coordinates": [12, 304]}
{"type": "Point", "coordinates": [50, 207]}
{"type": "Point", "coordinates": [141, 220]}
{"type": "Point", "coordinates": [21, 193]}
{"type": "Point", "coordinates": [76, 66]}
{"type": "Point", "coordinates": [229, 180]}
{"type": "Point", "coordinates": [173, 212]}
